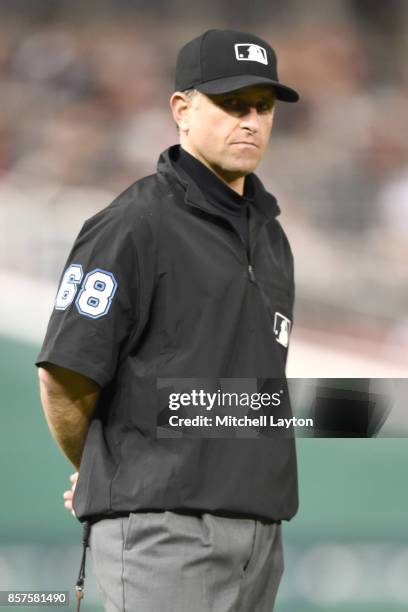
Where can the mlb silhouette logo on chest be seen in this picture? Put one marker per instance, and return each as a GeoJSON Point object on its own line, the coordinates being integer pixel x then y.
{"type": "Point", "coordinates": [281, 328]}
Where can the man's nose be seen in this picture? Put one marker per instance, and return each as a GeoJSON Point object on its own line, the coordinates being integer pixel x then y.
{"type": "Point", "coordinates": [250, 119]}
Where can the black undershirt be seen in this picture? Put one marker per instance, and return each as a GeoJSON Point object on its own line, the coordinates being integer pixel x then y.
{"type": "Point", "coordinates": [234, 207]}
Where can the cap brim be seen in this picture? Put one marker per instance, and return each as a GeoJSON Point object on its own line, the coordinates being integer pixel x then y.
{"type": "Point", "coordinates": [227, 84]}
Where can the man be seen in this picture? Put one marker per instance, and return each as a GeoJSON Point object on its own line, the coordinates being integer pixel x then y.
{"type": "Point", "coordinates": [186, 279]}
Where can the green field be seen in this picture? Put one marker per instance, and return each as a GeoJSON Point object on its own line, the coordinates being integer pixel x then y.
{"type": "Point", "coordinates": [346, 551]}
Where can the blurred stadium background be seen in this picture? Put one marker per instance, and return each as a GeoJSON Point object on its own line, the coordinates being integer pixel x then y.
{"type": "Point", "coordinates": [84, 113]}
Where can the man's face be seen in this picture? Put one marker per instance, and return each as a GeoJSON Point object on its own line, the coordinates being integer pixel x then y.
{"type": "Point", "coordinates": [229, 132]}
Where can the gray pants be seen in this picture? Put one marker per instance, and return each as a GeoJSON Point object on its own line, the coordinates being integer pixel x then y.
{"type": "Point", "coordinates": [168, 562]}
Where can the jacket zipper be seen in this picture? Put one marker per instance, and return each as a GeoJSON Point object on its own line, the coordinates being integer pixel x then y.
{"type": "Point", "coordinates": [251, 273]}
{"type": "Point", "coordinates": [250, 268]}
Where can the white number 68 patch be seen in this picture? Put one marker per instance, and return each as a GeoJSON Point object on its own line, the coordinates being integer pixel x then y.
{"type": "Point", "coordinates": [95, 296]}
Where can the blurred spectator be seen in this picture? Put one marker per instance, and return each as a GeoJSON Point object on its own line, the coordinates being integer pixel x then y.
{"type": "Point", "coordinates": [84, 105]}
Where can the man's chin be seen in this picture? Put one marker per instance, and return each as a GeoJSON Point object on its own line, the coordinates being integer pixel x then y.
{"type": "Point", "coordinates": [242, 170]}
{"type": "Point", "coordinates": [244, 164]}
{"type": "Point", "coordinates": [235, 169]}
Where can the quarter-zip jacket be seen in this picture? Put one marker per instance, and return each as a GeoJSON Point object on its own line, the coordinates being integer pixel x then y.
{"type": "Point", "coordinates": [232, 205]}
{"type": "Point", "coordinates": [190, 305]}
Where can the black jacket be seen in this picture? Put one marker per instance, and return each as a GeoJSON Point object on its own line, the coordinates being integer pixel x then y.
{"type": "Point", "coordinates": [164, 289]}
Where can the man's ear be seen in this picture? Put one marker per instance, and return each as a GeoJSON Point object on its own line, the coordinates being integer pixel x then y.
{"type": "Point", "coordinates": [180, 105]}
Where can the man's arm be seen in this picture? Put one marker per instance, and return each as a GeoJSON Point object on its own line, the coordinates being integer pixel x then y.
{"type": "Point", "coordinates": [68, 400]}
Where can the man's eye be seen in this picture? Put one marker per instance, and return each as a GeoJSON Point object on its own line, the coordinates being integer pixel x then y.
{"type": "Point", "coordinates": [242, 106]}
{"type": "Point", "coordinates": [264, 107]}
{"type": "Point", "coordinates": [232, 104]}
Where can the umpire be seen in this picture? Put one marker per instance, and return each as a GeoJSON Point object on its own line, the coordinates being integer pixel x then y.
{"type": "Point", "coordinates": [186, 275]}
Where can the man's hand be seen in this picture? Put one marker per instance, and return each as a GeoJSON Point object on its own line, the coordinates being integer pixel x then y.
{"type": "Point", "coordinates": [68, 495]}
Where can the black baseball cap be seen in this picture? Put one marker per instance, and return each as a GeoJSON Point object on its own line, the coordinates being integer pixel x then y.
{"type": "Point", "coordinates": [220, 61]}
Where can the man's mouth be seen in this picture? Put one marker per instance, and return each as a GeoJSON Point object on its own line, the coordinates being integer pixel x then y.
{"type": "Point", "coordinates": [245, 143]}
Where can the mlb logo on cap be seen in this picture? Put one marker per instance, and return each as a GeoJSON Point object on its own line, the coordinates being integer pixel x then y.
{"type": "Point", "coordinates": [251, 52]}
{"type": "Point", "coordinates": [220, 61]}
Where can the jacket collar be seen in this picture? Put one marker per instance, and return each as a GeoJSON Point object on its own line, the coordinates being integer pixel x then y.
{"type": "Point", "coordinates": [264, 201]}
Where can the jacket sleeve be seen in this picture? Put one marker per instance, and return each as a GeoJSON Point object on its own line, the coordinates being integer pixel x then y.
{"type": "Point", "coordinates": [97, 302]}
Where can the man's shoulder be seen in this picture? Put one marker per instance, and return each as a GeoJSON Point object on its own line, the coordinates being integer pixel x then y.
{"type": "Point", "coordinates": [142, 196]}
{"type": "Point", "coordinates": [267, 204]}
{"type": "Point", "coordinates": [139, 201]}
